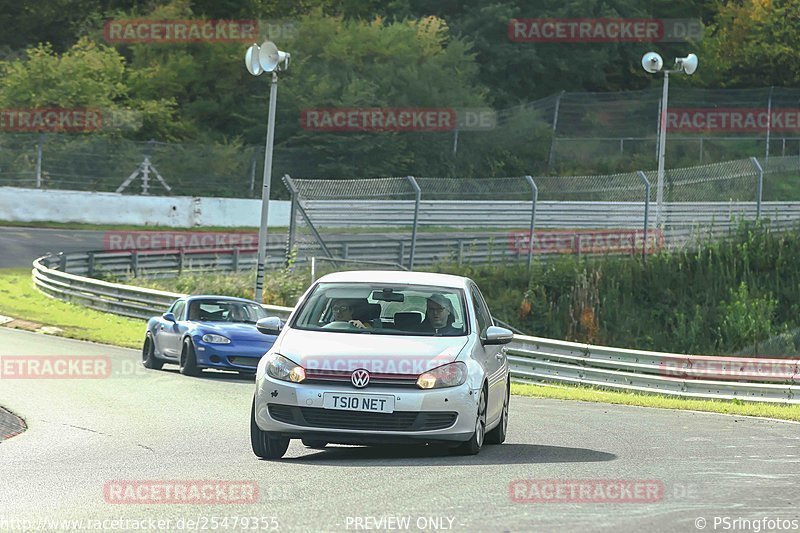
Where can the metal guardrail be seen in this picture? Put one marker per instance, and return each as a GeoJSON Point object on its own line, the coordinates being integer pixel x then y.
{"type": "Point", "coordinates": [536, 359]}
{"type": "Point", "coordinates": [532, 359]}
{"type": "Point", "coordinates": [116, 298]}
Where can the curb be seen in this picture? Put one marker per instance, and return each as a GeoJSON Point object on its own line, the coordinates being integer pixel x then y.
{"type": "Point", "coordinates": [10, 425]}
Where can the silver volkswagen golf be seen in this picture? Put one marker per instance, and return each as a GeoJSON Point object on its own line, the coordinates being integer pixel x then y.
{"type": "Point", "coordinates": [375, 357]}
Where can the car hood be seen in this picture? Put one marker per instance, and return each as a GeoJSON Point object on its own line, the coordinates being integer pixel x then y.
{"type": "Point", "coordinates": [235, 331]}
{"type": "Point", "coordinates": [348, 351]}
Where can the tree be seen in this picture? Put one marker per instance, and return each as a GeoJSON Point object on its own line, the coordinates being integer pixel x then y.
{"type": "Point", "coordinates": [88, 75]}
{"type": "Point", "coordinates": [752, 43]}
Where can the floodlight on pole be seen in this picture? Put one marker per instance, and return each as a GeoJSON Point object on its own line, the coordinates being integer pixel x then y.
{"type": "Point", "coordinates": [652, 63]}
{"type": "Point", "coordinates": [258, 59]}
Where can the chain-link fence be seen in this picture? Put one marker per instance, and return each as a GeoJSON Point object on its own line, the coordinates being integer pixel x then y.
{"type": "Point", "coordinates": [563, 134]}
{"type": "Point", "coordinates": [407, 221]}
{"type": "Point", "coordinates": [103, 164]}
{"type": "Point", "coordinates": [703, 125]}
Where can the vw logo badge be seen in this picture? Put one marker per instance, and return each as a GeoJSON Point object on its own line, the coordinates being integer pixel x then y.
{"type": "Point", "coordinates": [360, 378]}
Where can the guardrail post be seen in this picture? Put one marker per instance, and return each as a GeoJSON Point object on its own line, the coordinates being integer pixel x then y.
{"type": "Point", "coordinates": [534, 199]}
{"type": "Point", "coordinates": [460, 252]}
{"type": "Point", "coordinates": [62, 261]}
{"type": "Point", "coordinates": [135, 263]}
{"type": "Point", "coordinates": [646, 209]}
{"type": "Point", "coordinates": [345, 250]}
{"type": "Point", "coordinates": [180, 262]}
{"type": "Point", "coordinates": [759, 186]}
{"type": "Point", "coordinates": [292, 215]}
{"type": "Point", "coordinates": [417, 199]}
{"type": "Point", "coordinates": [576, 244]}
{"type": "Point", "coordinates": [402, 252]}
{"type": "Point", "coordinates": [235, 265]}
{"type": "Point", "coordinates": [90, 264]}
{"type": "Point", "coordinates": [552, 155]}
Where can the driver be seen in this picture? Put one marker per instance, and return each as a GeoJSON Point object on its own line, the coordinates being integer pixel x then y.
{"type": "Point", "coordinates": [343, 312]}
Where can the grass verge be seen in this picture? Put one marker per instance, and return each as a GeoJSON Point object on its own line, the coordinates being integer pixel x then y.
{"type": "Point", "coordinates": [19, 299]}
{"type": "Point", "coordinates": [591, 394]}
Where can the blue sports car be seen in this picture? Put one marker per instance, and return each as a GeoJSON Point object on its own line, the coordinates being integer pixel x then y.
{"type": "Point", "coordinates": [200, 332]}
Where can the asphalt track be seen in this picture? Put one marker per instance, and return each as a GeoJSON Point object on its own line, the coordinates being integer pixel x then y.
{"type": "Point", "coordinates": [151, 426]}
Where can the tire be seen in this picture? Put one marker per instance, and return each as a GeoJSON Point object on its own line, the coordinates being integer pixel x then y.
{"type": "Point", "coordinates": [188, 362]}
{"type": "Point", "coordinates": [263, 443]}
{"type": "Point", "coordinates": [315, 444]}
{"type": "Point", "coordinates": [474, 444]}
{"type": "Point", "coordinates": [149, 359]}
{"type": "Point", "coordinates": [498, 434]}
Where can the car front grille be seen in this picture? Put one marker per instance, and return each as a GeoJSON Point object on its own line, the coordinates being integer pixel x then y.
{"type": "Point", "coordinates": [363, 421]}
{"type": "Point", "coordinates": [375, 379]}
{"type": "Point", "coordinates": [251, 362]}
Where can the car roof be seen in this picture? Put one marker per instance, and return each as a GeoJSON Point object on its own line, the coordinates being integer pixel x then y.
{"type": "Point", "coordinates": [217, 297]}
{"type": "Point", "coordinates": [396, 276]}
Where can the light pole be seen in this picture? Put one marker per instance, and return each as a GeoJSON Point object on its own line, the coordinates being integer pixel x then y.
{"type": "Point", "coordinates": [653, 63]}
{"type": "Point", "coordinates": [258, 59]}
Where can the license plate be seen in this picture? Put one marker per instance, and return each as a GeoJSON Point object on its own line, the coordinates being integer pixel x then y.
{"type": "Point", "coordinates": [373, 403]}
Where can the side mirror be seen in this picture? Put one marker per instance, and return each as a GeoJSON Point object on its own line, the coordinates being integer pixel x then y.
{"type": "Point", "coordinates": [497, 335]}
{"type": "Point", "coordinates": [271, 325]}
{"type": "Point", "coordinates": [169, 317]}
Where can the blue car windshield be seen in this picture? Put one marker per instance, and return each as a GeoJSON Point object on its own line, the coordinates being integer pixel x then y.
{"type": "Point", "coordinates": [225, 311]}
{"type": "Point", "coordinates": [407, 310]}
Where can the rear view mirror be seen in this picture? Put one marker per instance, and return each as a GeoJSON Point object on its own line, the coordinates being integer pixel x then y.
{"type": "Point", "coordinates": [271, 325]}
{"type": "Point", "coordinates": [388, 295]}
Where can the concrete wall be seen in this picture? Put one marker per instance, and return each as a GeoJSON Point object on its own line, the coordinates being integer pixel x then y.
{"type": "Point", "coordinates": [37, 205]}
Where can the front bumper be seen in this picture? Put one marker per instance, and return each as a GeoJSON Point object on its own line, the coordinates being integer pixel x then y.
{"type": "Point", "coordinates": [295, 410]}
{"type": "Point", "coordinates": [228, 356]}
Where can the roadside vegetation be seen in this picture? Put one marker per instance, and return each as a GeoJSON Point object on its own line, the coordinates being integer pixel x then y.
{"type": "Point", "coordinates": [738, 295]}
{"type": "Point", "coordinates": [591, 394]}
{"type": "Point", "coordinates": [20, 300]}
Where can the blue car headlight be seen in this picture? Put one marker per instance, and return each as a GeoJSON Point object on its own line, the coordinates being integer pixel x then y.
{"type": "Point", "coordinates": [216, 339]}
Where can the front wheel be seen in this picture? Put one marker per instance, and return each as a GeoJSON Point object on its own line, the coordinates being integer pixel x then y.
{"type": "Point", "coordinates": [188, 363]}
{"type": "Point", "coordinates": [263, 443]}
{"type": "Point", "coordinates": [498, 434]}
{"type": "Point", "coordinates": [149, 355]}
{"type": "Point", "coordinates": [474, 445]}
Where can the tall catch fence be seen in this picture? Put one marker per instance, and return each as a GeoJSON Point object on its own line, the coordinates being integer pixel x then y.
{"type": "Point", "coordinates": [400, 221]}
{"type": "Point", "coordinates": [562, 134]}
{"type": "Point", "coordinates": [703, 125]}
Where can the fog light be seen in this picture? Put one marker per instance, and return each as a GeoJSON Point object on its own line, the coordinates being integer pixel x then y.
{"type": "Point", "coordinates": [215, 359]}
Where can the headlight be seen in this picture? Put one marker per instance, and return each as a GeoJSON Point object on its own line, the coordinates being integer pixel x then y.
{"type": "Point", "coordinates": [451, 375]}
{"type": "Point", "coordinates": [279, 367]}
{"type": "Point", "coordinates": [216, 339]}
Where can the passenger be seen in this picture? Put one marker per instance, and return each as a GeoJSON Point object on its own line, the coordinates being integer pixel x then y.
{"type": "Point", "coordinates": [439, 316]}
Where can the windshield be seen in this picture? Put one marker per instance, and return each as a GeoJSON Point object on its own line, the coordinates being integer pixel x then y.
{"type": "Point", "coordinates": [384, 310]}
{"type": "Point", "coordinates": [225, 311]}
